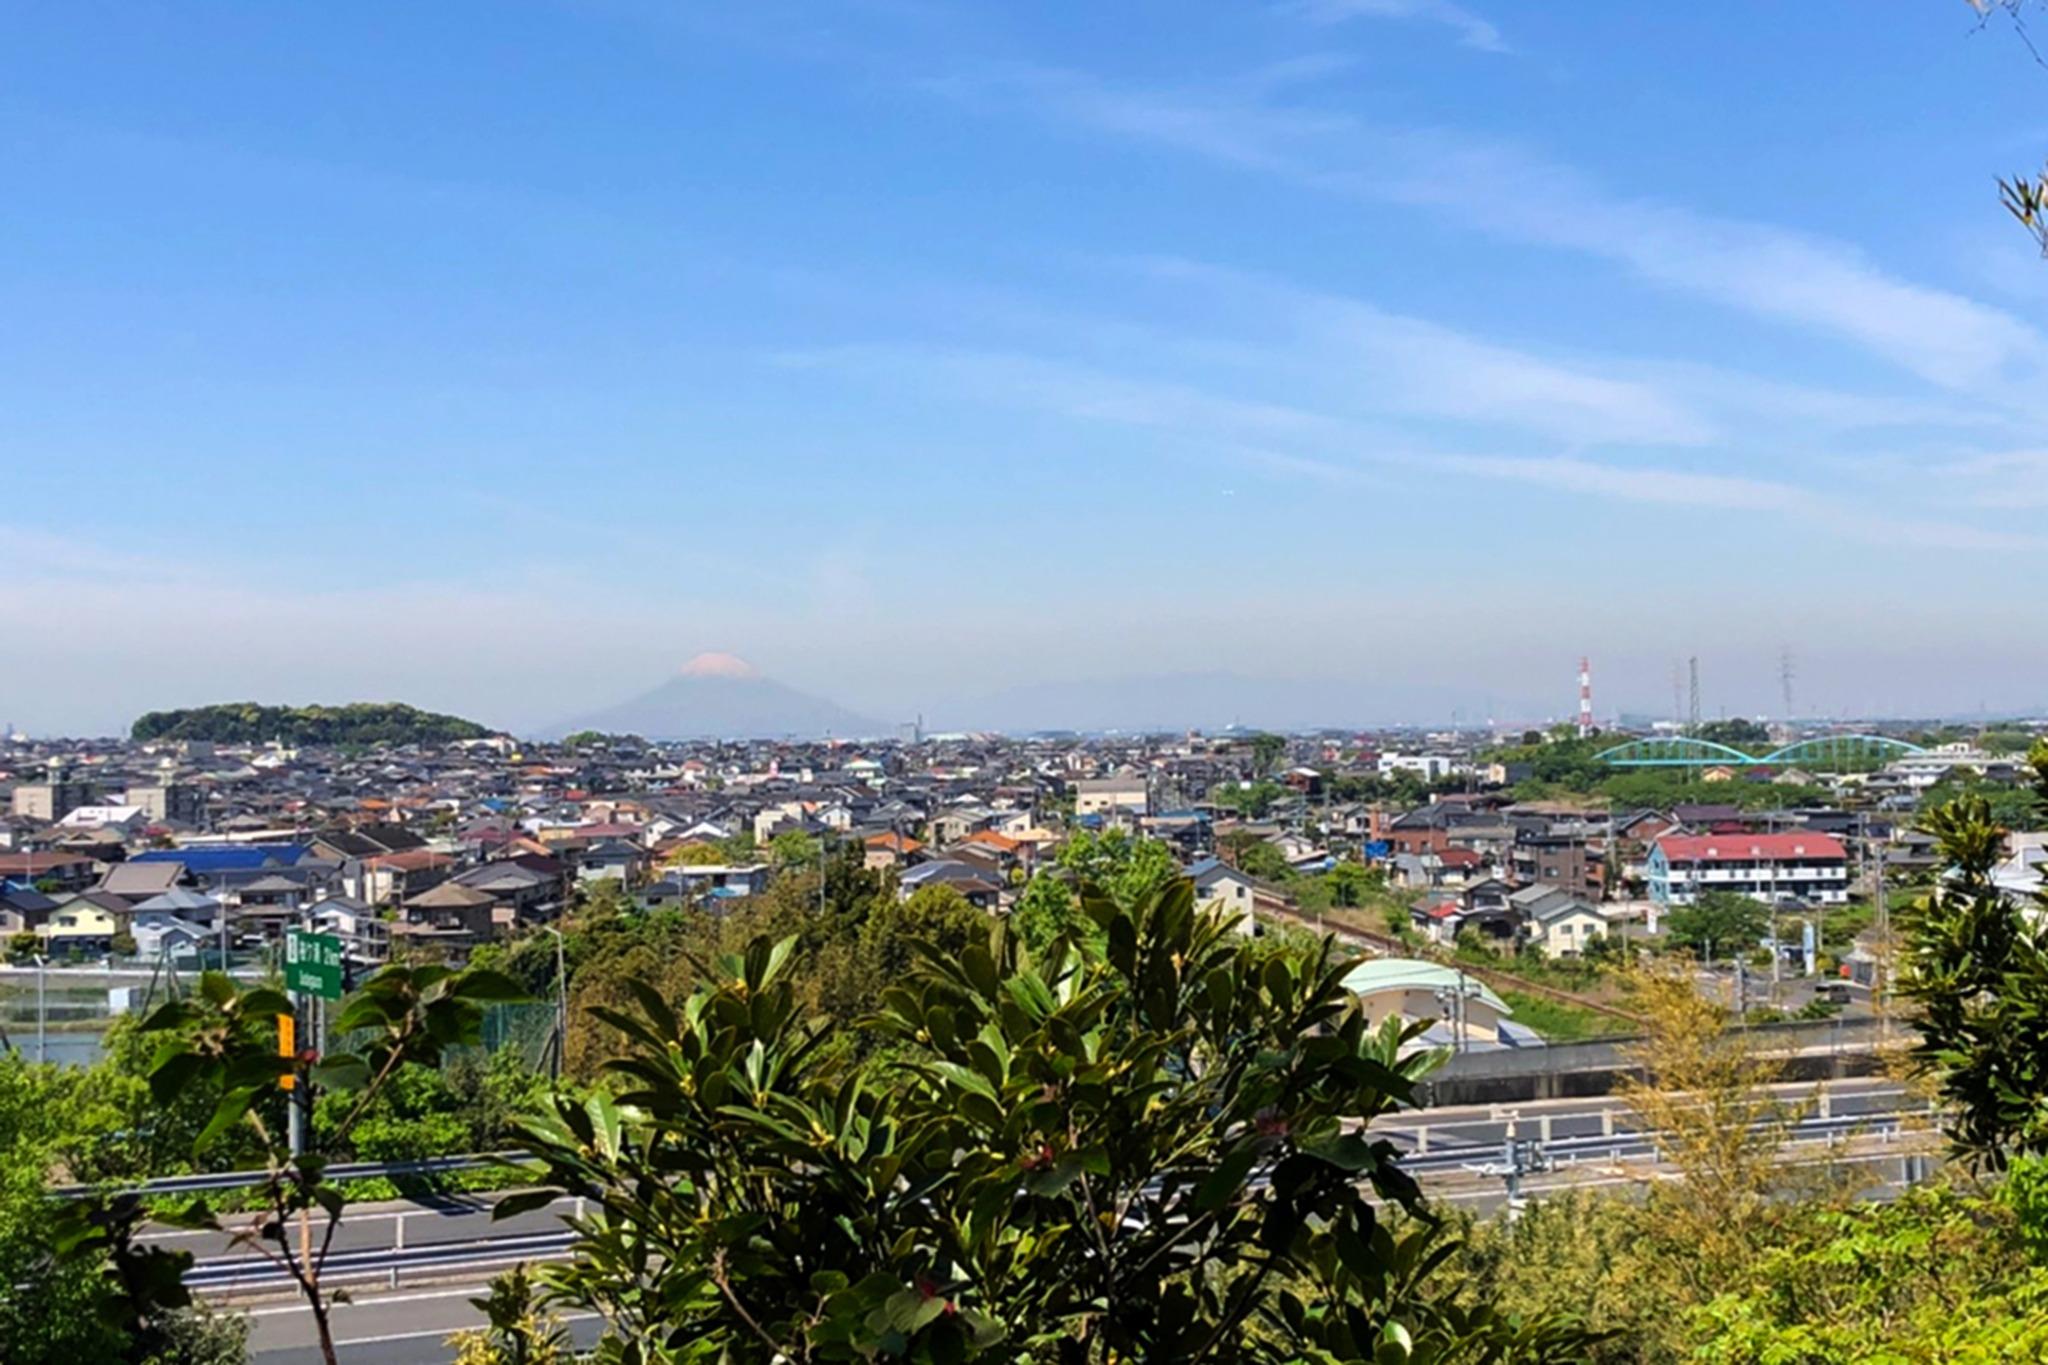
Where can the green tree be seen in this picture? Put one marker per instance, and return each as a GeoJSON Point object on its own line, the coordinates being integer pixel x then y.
{"type": "Point", "coordinates": [1264, 861]}
{"type": "Point", "coordinates": [1350, 883]}
{"type": "Point", "coordinates": [224, 1039]}
{"type": "Point", "coordinates": [518, 1330]}
{"type": "Point", "coordinates": [1564, 762]}
{"type": "Point", "coordinates": [1718, 923]}
{"type": "Point", "coordinates": [1254, 802]}
{"type": "Point", "coordinates": [2025, 196]}
{"type": "Point", "coordinates": [698, 855]}
{"type": "Point", "coordinates": [1267, 751]}
{"type": "Point", "coordinates": [1147, 1147]}
{"type": "Point", "coordinates": [937, 916]}
{"type": "Point", "coordinates": [75, 1283]}
{"type": "Point", "coordinates": [2009, 805]}
{"type": "Point", "coordinates": [1976, 972]}
{"type": "Point", "coordinates": [52, 1308]}
{"type": "Point", "coordinates": [1737, 733]}
{"type": "Point", "coordinates": [1045, 911]}
{"type": "Point", "coordinates": [1128, 868]}
{"type": "Point", "coordinates": [793, 848]}
{"type": "Point", "coordinates": [358, 723]}
{"type": "Point", "coordinates": [2001, 741]}
{"type": "Point", "coordinates": [1938, 1275]}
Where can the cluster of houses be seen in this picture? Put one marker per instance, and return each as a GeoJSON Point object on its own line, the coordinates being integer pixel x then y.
{"type": "Point", "coordinates": [1557, 878]}
{"type": "Point", "coordinates": [188, 849]}
{"type": "Point", "coordinates": [185, 849]}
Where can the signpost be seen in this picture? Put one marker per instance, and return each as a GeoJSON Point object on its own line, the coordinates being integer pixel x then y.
{"type": "Point", "coordinates": [312, 967]}
{"type": "Point", "coordinates": [312, 963]}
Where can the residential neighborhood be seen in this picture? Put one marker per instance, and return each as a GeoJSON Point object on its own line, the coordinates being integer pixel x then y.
{"type": "Point", "coordinates": [187, 854]}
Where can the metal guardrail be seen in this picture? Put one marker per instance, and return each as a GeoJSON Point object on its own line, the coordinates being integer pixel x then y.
{"type": "Point", "coordinates": [386, 1263]}
{"type": "Point", "coordinates": [1834, 1036]}
{"type": "Point", "coordinates": [358, 1170]}
{"type": "Point", "coordinates": [1632, 1142]}
{"type": "Point", "coordinates": [257, 1273]}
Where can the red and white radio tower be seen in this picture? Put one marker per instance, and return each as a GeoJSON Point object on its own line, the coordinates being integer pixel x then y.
{"type": "Point", "coordinates": [1585, 698]}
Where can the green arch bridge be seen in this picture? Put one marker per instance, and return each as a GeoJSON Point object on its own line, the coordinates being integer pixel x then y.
{"type": "Point", "coordinates": [1822, 751]}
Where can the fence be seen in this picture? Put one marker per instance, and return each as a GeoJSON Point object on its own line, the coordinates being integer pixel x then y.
{"type": "Point", "coordinates": [1810, 1048]}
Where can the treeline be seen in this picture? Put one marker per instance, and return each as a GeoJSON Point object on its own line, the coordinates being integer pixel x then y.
{"type": "Point", "coordinates": [363, 722]}
{"type": "Point", "coordinates": [851, 939]}
{"type": "Point", "coordinates": [1565, 767]}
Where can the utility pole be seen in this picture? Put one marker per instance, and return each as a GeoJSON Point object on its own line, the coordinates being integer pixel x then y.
{"type": "Point", "coordinates": [1518, 1158]}
{"type": "Point", "coordinates": [1693, 716]}
{"type": "Point", "coordinates": [1882, 919]}
{"type": "Point", "coordinates": [42, 1029]}
{"type": "Point", "coordinates": [562, 998]}
{"type": "Point", "coordinates": [1777, 955]}
{"type": "Point", "coordinates": [291, 1042]}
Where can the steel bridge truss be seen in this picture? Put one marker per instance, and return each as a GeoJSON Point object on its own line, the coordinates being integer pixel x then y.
{"type": "Point", "coordinates": [1821, 751]}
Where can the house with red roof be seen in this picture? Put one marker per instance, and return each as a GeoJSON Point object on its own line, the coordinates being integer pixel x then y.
{"type": "Point", "coordinates": [1812, 867]}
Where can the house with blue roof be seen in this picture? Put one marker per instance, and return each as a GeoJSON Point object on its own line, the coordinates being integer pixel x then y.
{"type": "Point", "coordinates": [206, 860]}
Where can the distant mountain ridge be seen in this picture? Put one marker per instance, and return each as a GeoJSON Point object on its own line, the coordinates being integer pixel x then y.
{"type": "Point", "coordinates": [362, 722]}
{"type": "Point", "coordinates": [719, 696]}
{"type": "Point", "coordinates": [1161, 702]}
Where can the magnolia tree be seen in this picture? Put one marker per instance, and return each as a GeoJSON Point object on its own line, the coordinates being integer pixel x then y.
{"type": "Point", "coordinates": [1976, 972]}
{"type": "Point", "coordinates": [1149, 1142]}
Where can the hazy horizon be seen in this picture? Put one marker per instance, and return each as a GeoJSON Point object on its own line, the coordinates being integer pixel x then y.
{"type": "Point", "coordinates": [981, 362]}
{"type": "Point", "coordinates": [1212, 702]}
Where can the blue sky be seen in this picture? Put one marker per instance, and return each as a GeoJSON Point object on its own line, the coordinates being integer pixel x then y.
{"type": "Point", "coordinates": [500, 356]}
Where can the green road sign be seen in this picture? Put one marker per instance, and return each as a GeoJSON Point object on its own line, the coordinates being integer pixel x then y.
{"type": "Point", "coordinates": [312, 964]}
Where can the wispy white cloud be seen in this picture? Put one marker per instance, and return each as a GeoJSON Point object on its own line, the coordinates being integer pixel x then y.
{"type": "Point", "coordinates": [1684, 488]}
{"type": "Point", "coordinates": [1395, 364]}
{"type": "Point", "coordinates": [1472, 30]}
{"type": "Point", "coordinates": [1071, 390]}
{"type": "Point", "coordinates": [1673, 487]}
{"type": "Point", "coordinates": [1771, 271]}
{"type": "Point", "coordinates": [2015, 479]}
{"type": "Point", "coordinates": [1620, 483]}
{"type": "Point", "coordinates": [1761, 269]}
{"type": "Point", "coordinates": [1292, 440]}
{"type": "Point", "coordinates": [1232, 122]}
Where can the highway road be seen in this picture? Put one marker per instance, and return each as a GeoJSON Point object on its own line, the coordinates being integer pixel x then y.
{"type": "Point", "coordinates": [1456, 1152]}
{"type": "Point", "coordinates": [421, 1229]}
{"type": "Point", "coordinates": [402, 1327]}
{"type": "Point", "coordinates": [1423, 1130]}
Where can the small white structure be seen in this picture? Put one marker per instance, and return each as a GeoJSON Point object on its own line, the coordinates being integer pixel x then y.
{"type": "Point", "coordinates": [129, 819]}
{"type": "Point", "coordinates": [1428, 767]}
{"type": "Point", "coordinates": [1463, 1012]}
{"type": "Point", "coordinates": [1223, 889]}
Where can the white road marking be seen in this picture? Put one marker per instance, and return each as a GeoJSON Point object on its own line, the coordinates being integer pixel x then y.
{"type": "Point", "coordinates": [436, 1332]}
{"type": "Point", "coordinates": [229, 1221]}
{"type": "Point", "coordinates": [377, 1302]}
